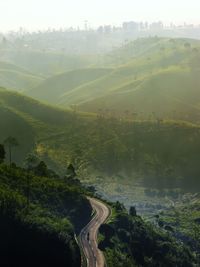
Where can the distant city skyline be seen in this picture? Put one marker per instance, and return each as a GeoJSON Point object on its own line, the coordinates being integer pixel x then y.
{"type": "Point", "coordinates": [35, 14]}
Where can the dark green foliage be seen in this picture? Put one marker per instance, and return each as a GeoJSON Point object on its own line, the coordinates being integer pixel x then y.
{"type": "Point", "coordinates": [41, 169]}
{"type": "Point", "coordinates": [31, 161]}
{"type": "Point", "coordinates": [71, 171]}
{"type": "Point", "coordinates": [2, 153]}
{"type": "Point", "coordinates": [45, 234]}
{"type": "Point", "coordinates": [157, 152]}
{"type": "Point", "coordinates": [129, 237]}
{"type": "Point", "coordinates": [10, 142]}
{"type": "Point", "coordinates": [132, 211]}
{"type": "Point", "coordinates": [23, 244]}
{"type": "Point", "coordinates": [119, 206]}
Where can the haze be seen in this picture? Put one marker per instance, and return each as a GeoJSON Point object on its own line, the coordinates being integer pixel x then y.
{"type": "Point", "coordinates": [35, 14]}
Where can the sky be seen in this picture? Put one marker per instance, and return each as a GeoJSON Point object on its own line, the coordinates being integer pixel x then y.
{"type": "Point", "coordinates": [43, 14]}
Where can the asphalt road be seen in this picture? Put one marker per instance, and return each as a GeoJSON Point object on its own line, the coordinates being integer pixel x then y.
{"type": "Point", "coordinates": [88, 236]}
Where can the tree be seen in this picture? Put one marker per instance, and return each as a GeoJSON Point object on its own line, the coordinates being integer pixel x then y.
{"type": "Point", "coordinates": [71, 171]}
{"type": "Point", "coordinates": [41, 169]}
{"type": "Point", "coordinates": [11, 142]}
{"type": "Point", "coordinates": [132, 211]}
{"type": "Point", "coordinates": [31, 161]}
{"type": "Point", "coordinates": [119, 206]}
{"type": "Point", "coordinates": [2, 153]}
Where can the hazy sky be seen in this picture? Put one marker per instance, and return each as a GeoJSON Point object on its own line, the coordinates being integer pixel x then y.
{"type": "Point", "coordinates": [35, 14]}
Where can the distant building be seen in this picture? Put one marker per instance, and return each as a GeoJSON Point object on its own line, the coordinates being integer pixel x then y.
{"type": "Point", "coordinates": [156, 26]}
{"type": "Point", "coordinates": [130, 26]}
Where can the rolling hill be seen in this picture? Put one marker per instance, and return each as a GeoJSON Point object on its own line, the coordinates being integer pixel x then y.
{"type": "Point", "coordinates": [53, 89]}
{"type": "Point", "coordinates": [154, 150]}
{"type": "Point", "coordinates": [17, 78]}
{"type": "Point", "coordinates": [45, 62]}
{"type": "Point", "coordinates": [28, 120]}
{"type": "Point", "coordinates": [155, 77]}
{"type": "Point", "coordinates": [173, 93]}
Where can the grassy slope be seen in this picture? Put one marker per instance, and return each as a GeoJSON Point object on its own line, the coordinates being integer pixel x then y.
{"type": "Point", "coordinates": [17, 78]}
{"type": "Point", "coordinates": [153, 75]}
{"type": "Point", "coordinates": [160, 81]}
{"type": "Point", "coordinates": [46, 63]}
{"type": "Point", "coordinates": [28, 120]}
{"type": "Point", "coordinates": [53, 89]}
{"type": "Point", "coordinates": [173, 93]}
{"type": "Point", "coordinates": [146, 48]}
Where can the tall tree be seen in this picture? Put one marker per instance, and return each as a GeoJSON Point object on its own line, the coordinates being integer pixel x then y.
{"type": "Point", "coordinates": [41, 169]}
{"type": "Point", "coordinates": [2, 153]}
{"type": "Point", "coordinates": [71, 173]}
{"type": "Point", "coordinates": [11, 142]}
{"type": "Point", "coordinates": [31, 161]}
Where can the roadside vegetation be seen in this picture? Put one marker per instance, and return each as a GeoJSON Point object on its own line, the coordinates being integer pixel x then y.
{"type": "Point", "coordinates": [129, 241]}
{"type": "Point", "coordinates": [40, 213]}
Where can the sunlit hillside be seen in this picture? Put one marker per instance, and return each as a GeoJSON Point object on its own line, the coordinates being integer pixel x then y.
{"type": "Point", "coordinates": [153, 77]}
{"type": "Point", "coordinates": [17, 78]}
{"type": "Point", "coordinates": [56, 89]}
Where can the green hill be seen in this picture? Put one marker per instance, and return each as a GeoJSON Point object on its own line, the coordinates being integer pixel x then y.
{"type": "Point", "coordinates": [28, 120]}
{"type": "Point", "coordinates": [146, 47]}
{"type": "Point", "coordinates": [53, 89]}
{"type": "Point", "coordinates": [157, 77]}
{"type": "Point", "coordinates": [172, 93]}
{"type": "Point", "coordinates": [45, 63]}
{"type": "Point", "coordinates": [17, 78]}
{"type": "Point", "coordinates": [155, 151]}
{"type": "Point", "coordinates": [164, 84]}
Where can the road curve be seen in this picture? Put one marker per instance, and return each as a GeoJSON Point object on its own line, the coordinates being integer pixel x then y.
{"type": "Point", "coordinates": [94, 256]}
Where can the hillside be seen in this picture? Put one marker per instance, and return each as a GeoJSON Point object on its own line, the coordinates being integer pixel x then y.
{"type": "Point", "coordinates": [154, 151]}
{"type": "Point", "coordinates": [17, 78]}
{"type": "Point", "coordinates": [40, 212]}
{"type": "Point", "coordinates": [160, 84]}
{"type": "Point", "coordinates": [145, 48]}
{"type": "Point", "coordinates": [38, 221]}
{"type": "Point", "coordinates": [45, 63]}
{"type": "Point", "coordinates": [172, 93]}
{"type": "Point", "coordinates": [150, 77]}
{"type": "Point", "coordinates": [55, 89]}
{"type": "Point", "coordinates": [28, 120]}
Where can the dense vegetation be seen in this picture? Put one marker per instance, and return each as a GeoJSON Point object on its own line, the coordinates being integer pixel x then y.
{"type": "Point", "coordinates": [128, 241]}
{"type": "Point", "coordinates": [157, 151]}
{"type": "Point", "coordinates": [17, 78]}
{"type": "Point", "coordinates": [183, 221]}
{"type": "Point", "coordinates": [39, 215]}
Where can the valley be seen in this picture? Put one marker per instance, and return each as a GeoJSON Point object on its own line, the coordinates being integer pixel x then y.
{"type": "Point", "coordinates": [127, 121]}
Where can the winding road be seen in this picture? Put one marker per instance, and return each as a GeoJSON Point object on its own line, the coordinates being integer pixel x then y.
{"type": "Point", "coordinates": [88, 236]}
